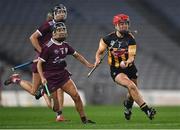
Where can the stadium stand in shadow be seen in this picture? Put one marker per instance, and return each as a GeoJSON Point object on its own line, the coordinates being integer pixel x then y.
{"type": "Point", "coordinates": [161, 37]}
{"type": "Point", "coordinates": [87, 22]}
{"type": "Point", "coordinates": [161, 47]}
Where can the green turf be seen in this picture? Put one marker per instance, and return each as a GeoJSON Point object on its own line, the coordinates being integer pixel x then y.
{"type": "Point", "coordinates": [110, 117]}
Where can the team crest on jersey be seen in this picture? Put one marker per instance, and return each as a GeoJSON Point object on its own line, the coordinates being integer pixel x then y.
{"type": "Point", "coordinates": [56, 51]}
{"type": "Point", "coordinates": [117, 43]}
{"type": "Point", "coordinates": [112, 43]}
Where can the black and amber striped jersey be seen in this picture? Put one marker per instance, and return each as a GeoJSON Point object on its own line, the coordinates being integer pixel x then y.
{"type": "Point", "coordinates": [118, 48]}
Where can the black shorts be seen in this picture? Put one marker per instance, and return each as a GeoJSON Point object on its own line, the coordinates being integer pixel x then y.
{"type": "Point", "coordinates": [131, 72]}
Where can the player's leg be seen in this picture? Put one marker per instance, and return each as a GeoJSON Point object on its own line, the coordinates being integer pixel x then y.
{"type": "Point", "coordinates": [48, 101]}
{"type": "Point", "coordinates": [56, 107]}
{"type": "Point", "coordinates": [128, 103]}
{"type": "Point", "coordinates": [60, 98]}
{"type": "Point", "coordinates": [40, 92]}
{"type": "Point", "coordinates": [26, 85]}
{"type": "Point", "coordinates": [51, 104]}
{"type": "Point", "coordinates": [70, 88]}
{"type": "Point", "coordinates": [123, 80]}
{"type": "Point", "coordinates": [36, 82]}
{"type": "Point", "coordinates": [31, 87]}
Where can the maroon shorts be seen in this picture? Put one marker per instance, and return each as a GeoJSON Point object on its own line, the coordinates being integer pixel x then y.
{"type": "Point", "coordinates": [56, 79]}
{"type": "Point", "coordinates": [34, 65]}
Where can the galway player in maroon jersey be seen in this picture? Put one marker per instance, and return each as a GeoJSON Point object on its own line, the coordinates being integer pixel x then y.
{"type": "Point", "coordinates": [52, 69]}
{"type": "Point", "coordinates": [38, 39]}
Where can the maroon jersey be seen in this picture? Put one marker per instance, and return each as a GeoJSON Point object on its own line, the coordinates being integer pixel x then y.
{"type": "Point", "coordinates": [45, 30]}
{"type": "Point", "coordinates": [54, 54]}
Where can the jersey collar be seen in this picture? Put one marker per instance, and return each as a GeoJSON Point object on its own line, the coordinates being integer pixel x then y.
{"type": "Point", "coordinates": [56, 42]}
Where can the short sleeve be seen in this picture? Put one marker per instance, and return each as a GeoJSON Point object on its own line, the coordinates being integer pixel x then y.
{"type": "Point", "coordinates": [132, 40]}
{"type": "Point", "coordinates": [71, 51]}
{"type": "Point", "coordinates": [106, 40]}
{"type": "Point", "coordinates": [44, 28]}
{"type": "Point", "coordinates": [44, 54]}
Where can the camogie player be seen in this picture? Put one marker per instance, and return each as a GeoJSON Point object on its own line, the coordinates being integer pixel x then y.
{"type": "Point", "coordinates": [52, 69]}
{"type": "Point", "coordinates": [38, 39]}
{"type": "Point", "coordinates": [121, 47]}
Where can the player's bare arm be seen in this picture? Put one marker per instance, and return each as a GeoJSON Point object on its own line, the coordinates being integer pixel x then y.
{"type": "Point", "coordinates": [100, 51]}
{"type": "Point", "coordinates": [131, 54]}
{"type": "Point", "coordinates": [79, 57]}
{"type": "Point", "coordinates": [34, 40]}
{"type": "Point", "coordinates": [40, 71]}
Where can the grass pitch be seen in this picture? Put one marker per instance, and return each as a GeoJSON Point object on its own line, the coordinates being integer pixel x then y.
{"type": "Point", "coordinates": [106, 117]}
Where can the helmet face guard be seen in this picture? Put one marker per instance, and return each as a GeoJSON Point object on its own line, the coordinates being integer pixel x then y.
{"type": "Point", "coordinates": [60, 31]}
{"type": "Point", "coordinates": [60, 13]}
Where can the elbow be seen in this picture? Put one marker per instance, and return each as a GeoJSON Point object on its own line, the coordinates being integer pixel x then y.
{"type": "Point", "coordinates": [76, 55]}
{"type": "Point", "coordinates": [98, 53]}
{"type": "Point", "coordinates": [31, 38]}
{"type": "Point", "coordinates": [38, 65]}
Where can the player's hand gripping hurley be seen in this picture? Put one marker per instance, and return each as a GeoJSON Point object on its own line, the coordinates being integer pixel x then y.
{"type": "Point", "coordinates": [102, 58]}
{"type": "Point", "coordinates": [47, 90]}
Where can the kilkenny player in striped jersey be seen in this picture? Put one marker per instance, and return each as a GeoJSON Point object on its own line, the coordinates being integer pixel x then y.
{"type": "Point", "coordinates": [121, 46]}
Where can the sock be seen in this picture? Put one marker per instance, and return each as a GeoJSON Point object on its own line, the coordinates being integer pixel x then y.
{"type": "Point", "coordinates": [58, 113]}
{"type": "Point", "coordinates": [129, 103]}
{"type": "Point", "coordinates": [83, 119]}
{"type": "Point", "coordinates": [144, 107]}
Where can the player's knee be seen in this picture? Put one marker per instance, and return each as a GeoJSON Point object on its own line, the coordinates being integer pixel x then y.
{"type": "Point", "coordinates": [33, 92]}
{"type": "Point", "coordinates": [131, 86]}
{"type": "Point", "coordinates": [76, 97]}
